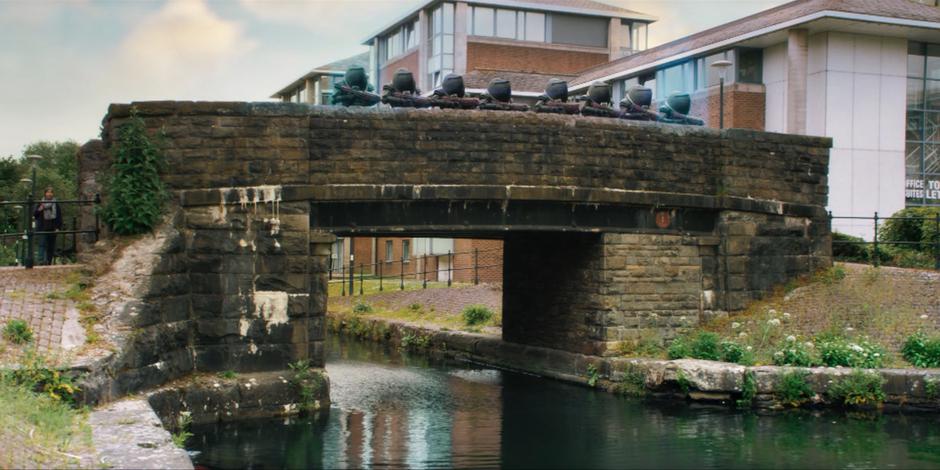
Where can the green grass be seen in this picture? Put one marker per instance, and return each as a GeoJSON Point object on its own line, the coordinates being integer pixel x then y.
{"type": "Point", "coordinates": [371, 286]}
{"type": "Point", "coordinates": [53, 424]}
{"type": "Point", "coordinates": [17, 332]}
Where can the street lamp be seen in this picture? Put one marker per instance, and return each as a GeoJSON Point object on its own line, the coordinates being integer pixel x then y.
{"type": "Point", "coordinates": [722, 66]}
{"type": "Point", "coordinates": [28, 260]}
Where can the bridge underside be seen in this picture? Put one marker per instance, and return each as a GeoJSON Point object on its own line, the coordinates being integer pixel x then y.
{"type": "Point", "coordinates": [486, 218]}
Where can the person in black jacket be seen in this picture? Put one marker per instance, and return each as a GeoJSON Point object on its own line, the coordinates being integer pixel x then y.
{"type": "Point", "coordinates": [48, 216]}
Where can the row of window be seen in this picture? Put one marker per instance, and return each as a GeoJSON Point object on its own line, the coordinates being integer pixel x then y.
{"type": "Point", "coordinates": [698, 74]}
{"type": "Point", "coordinates": [441, 38]}
{"type": "Point", "coordinates": [922, 149]}
{"type": "Point", "coordinates": [554, 28]}
{"type": "Point", "coordinates": [397, 43]}
{"type": "Point", "coordinates": [390, 250]}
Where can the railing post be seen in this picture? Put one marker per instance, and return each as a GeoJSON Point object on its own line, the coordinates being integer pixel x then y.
{"type": "Point", "coordinates": [362, 269]}
{"type": "Point", "coordinates": [450, 267]}
{"type": "Point", "coordinates": [476, 266]}
{"type": "Point", "coordinates": [380, 277]}
{"type": "Point", "coordinates": [342, 278]}
{"type": "Point", "coordinates": [401, 282]}
{"type": "Point", "coordinates": [424, 273]}
{"type": "Point", "coordinates": [875, 255]}
{"type": "Point", "coordinates": [352, 276]}
{"type": "Point", "coordinates": [936, 241]}
{"type": "Point", "coordinates": [75, 234]}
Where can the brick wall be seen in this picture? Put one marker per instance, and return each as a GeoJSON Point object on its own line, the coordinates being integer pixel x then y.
{"type": "Point", "coordinates": [744, 106]}
{"type": "Point", "coordinates": [482, 55]}
{"type": "Point", "coordinates": [408, 61]}
{"type": "Point", "coordinates": [486, 255]}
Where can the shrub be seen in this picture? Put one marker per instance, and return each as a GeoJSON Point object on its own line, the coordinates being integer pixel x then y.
{"type": "Point", "coordinates": [922, 351]}
{"type": "Point", "coordinates": [901, 228]}
{"type": "Point", "coordinates": [362, 307]}
{"type": "Point", "coordinates": [793, 388]}
{"type": "Point", "coordinates": [135, 191]}
{"type": "Point", "coordinates": [734, 352]}
{"type": "Point", "coordinates": [678, 349]}
{"type": "Point", "coordinates": [36, 375]}
{"type": "Point", "coordinates": [794, 353]}
{"type": "Point", "coordinates": [7, 256]}
{"type": "Point", "coordinates": [634, 382]}
{"type": "Point", "coordinates": [705, 346]}
{"type": "Point", "coordinates": [932, 387]}
{"type": "Point", "coordinates": [848, 248]}
{"type": "Point", "coordinates": [592, 375]}
{"type": "Point", "coordinates": [837, 351]}
{"type": "Point", "coordinates": [476, 315]}
{"type": "Point", "coordinates": [17, 332]}
{"type": "Point", "coordinates": [858, 388]}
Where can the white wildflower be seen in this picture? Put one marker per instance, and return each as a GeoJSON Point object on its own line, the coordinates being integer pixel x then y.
{"type": "Point", "coordinates": [791, 338]}
{"type": "Point", "coordinates": [809, 344]}
{"type": "Point", "coordinates": [735, 325]}
{"type": "Point", "coordinates": [778, 354]}
{"type": "Point", "coordinates": [773, 322]}
{"type": "Point", "coordinates": [742, 335]}
{"type": "Point", "coordinates": [786, 316]}
{"type": "Point", "coordinates": [923, 317]}
{"type": "Point", "coordinates": [772, 312]}
{"type": "Point", "coordinates": [749, 348]}
{"type": "Point", "coordinates": [849, 328]}
{"type": "Point", "coordinates": [856, 348]}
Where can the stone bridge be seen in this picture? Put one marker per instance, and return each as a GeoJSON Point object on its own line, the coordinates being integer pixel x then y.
{"type": "Point", "coordinates": [613, 230]}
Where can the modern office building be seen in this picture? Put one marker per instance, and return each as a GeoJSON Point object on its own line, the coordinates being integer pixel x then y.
{"type": "Point", "coordinates": [316, 86]}
{"type": "Point", "coordinates": [866, 73]}
{"type": "Point", "coordinates": [487, 37]}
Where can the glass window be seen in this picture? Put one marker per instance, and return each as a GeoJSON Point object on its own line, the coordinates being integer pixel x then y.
{"type": "Point", "coordinates": [915, 59]}
{"type": "Point", "coordinates": [915, 93]}
{"type": "Point", "coordinates": [932, 94]}
{"type": "Point", "coordinates": [914, 158]}
{"type": "Point", "coordinates": [638, 38]}
{"type": "Point", "coordinates": [579, 30]}
{"type": "Point", "coordinates": [389, 251]}
{"type": "Point", "coordinates": [711, 74]}
{"type": "Point", "coordinates": [406, 249]}
{"type": "Point", "coordinates": [506, 24]}
{"type": "Point", "coordinates": [483, 19]}
{"type": "Point", "coordinates": [535, 27]}
{"type": "Point", "coordinates": [750, 65]}
{"type": "Point", "coordinates": [915, 126]}
{"type": "Point", "coordinates": [933, 61]}
{"type": "Point", "coordinates": [441, 36]}
{"type": "Point", "coordinates": [931, 159]}
{"type": "Point", "coordinates": [448, 26]}
{"type": "Point", "coordinates": [520, 25]}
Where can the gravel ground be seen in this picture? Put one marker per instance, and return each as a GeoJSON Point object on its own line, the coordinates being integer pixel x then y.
{"type": "Point", "coordinates": [444, 300]}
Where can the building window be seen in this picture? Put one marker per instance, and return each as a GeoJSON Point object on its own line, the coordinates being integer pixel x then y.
{"type": "Point", "coordinates": [483, 21]}
{"type": "Point", "coordinates": [750, 66]}
{"type": "Point", "coordinates": [398, 42]}
{"type": "Point", "coordinates": [639, 36]}
{"type": "Point", "coordinates": [441, 38]}
{"type": "Point", "coordinates": [406, 250]}
{"type": "Point", "coordinates": [389, 251]}
{"type": "Point", "coordinates": [579, 30]}
{"type": "Point", "coordinates": [922, 149]}
{"type": "Point", "coordinates": [707, 76]}
{"type": "Point", "coordinates": [678, 78]}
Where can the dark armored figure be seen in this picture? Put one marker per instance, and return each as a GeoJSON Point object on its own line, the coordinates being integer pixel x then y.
{"type": "Point", "coordinates": [635, 105]}
{"type": "Point", "coordinates": [555, 99]}
{"type": "Point", "coordinates": [676, 108]}
{"type": "Point", "coordinates": [453, 95]}
{"type": "Point", "coordinates": [354, 89]}
{"type": "Point", "coordinates": [498, 97]}
{"type": "Point", "coordinates": [597, 101]}
{"type": "Point", "coordinates": [403, 92]}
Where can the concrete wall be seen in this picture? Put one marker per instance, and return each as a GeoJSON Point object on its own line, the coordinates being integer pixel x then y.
{"type": "Point", "coordinates": [856, 95]}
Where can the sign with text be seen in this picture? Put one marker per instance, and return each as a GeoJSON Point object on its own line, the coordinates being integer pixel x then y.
{"type": "Point", "coordinates": [924, 191]}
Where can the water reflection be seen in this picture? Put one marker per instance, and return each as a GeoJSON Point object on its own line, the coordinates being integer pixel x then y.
{"type": "Point", "coordinates": [394, 411]}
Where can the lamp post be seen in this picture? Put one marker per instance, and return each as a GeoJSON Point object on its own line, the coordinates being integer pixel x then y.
{"type": "Point", "coordinates": [30, 221]}
{"type": "Point", "coordinates": [722, 66]}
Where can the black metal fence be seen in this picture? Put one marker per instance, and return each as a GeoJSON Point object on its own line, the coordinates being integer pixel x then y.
{"type": "Point", "coordinates": [24, 237]}
{"type": "Point", "coordinates": [875, 257]}
{"type": "Point", "coordinates": [394, 274]}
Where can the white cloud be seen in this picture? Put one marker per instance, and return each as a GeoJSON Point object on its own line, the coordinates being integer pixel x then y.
{"type": "Point", "coordinates": [331, 17]}
{"type": "Point", "coordinates": [172, 50]}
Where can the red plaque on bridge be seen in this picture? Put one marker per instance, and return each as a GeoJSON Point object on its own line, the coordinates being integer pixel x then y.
{"type": "Point", "coordinates": [663, 219]}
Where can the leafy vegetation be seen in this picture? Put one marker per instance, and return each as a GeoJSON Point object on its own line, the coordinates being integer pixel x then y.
{"type": "Point", "coordinates": [707, 345]}
{"type": "Point", "coordinates": [858, 389]}
{"type": "Point", "coordinates": [362, 307]}
{"type": "Point", "coordinates": [227, 374]}
{"type": "Point", "coordinates": [921, 350]}
{"type": "Point", "coordinates": [51, 423]}
{"type": "Point", "coordinates": [748, 390]}
{"type": "Point", "coordinates": [136, 193]}
{"type": "Point", "coordinates": [310, 384]}
{"type": "Point", "coordinates": [36, 375]}
{"type": "Point", "coordinates": [476, 315]}
{"type": "Point", "coordinates": [794, 353]}
{"type": "Point", "coordinates": [793, 388]}
{"type": "Point", "coordinates": [182, 433]}
{"type": "Point", "coordinates": [17, 332]}
{"type": "Point", "coordinates": [634, 382]}
{"type": "Point", "coordinates": [837, 351]}
{"type": "Point", "coordinates": [932, 387]}
{"type": "Point", "coordinates": [592, 375]}
{"type": "Point", "coordinates": [684, 384]}
{"type": "Point", "coordinates": [415, 341]}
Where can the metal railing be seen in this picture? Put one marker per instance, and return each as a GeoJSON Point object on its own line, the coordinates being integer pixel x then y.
{"type": "Point", "coordinates": [875, 257]}
{"type": "Point", "coordinates": [25, 235]}
{"type": "Point", "coordinates": [347, 273]}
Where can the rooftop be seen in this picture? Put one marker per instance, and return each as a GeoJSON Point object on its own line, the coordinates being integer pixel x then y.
{"type": "Point", "coordinates": [333, 68]}
{"type": "Point", "coordinates": [787, 15]}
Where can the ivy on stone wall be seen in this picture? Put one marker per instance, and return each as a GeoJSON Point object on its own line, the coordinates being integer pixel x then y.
{"type": "Point", "coordinates": [136, 193]}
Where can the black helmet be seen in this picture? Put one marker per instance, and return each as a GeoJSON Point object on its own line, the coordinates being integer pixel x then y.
{"type": "Point", "coordinates": [500, 90]}
{"type": "Point", "coordinates": [557, 89]}
{"type": "Point", "coordinates": [356, 77]}
{"type": "Point", "coordinates": [599, 92]}
{"type": "Point", "coordinates": [639, 95]}
{"type": "Point", "coordinates": [404, 81]}
{"type": "Point", "coordinates": [679, 102]}
{"type": "Point", "coordinates": [453, 85]}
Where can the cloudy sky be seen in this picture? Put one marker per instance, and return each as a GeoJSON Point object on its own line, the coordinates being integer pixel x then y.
{"type": "Point", "coordinates": [63, 61]}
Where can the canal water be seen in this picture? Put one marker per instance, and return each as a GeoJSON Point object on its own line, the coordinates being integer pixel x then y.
{"type": "Point", "coordinates": [393, 411]}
